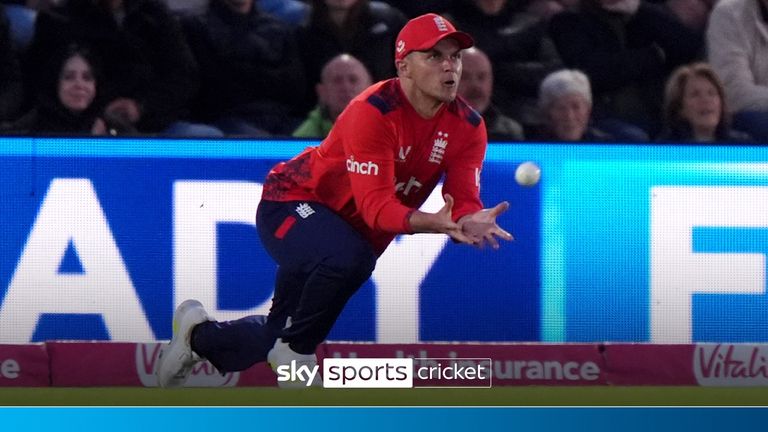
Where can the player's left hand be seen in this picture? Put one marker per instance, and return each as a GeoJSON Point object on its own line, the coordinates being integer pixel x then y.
{"type": "Point", "coordinates": [481, 226]}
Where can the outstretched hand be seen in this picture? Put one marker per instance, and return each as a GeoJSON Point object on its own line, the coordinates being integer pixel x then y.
{"type": "Point", "coordinates": [475, 229]}
{"type": "Point", "coordinates": [440, 222]}
{"type": "Point", "coordinates": [481, 228]}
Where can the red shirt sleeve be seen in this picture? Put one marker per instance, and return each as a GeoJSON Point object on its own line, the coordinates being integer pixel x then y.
{"type": "Point", "coordinates": [369, 141]}
{"type": "Point", "coordinates": [462, 176]}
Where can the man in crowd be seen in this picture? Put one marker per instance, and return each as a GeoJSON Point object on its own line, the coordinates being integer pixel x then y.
{"type": "Point", "coordinates": [343, 78]}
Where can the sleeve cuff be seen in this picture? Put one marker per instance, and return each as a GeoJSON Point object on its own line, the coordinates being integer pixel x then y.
{"type": "Point", "coordinates": [407, 222]}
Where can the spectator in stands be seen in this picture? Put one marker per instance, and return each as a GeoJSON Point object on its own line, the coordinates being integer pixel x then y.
{"type": "Point", "coordinates": [412, 9]}
{"type": "Point", "coordinates": [22, 15]}
{"type": "Point", "coordinates": [546, 9]}
{"type": "Point", "coordinates": [149, 72]}
{"type": "Point", "coordinates": [519, 47]}
{"type": "Point", "coordinates": [627, 48]}
{"type": "Point", "coordinates": [252, 78]}
{"type": "Point", "coordinates": [695, 107]}
{"type": "Point", "coordinates": [362, 28]}
{"type": "Point", "coordinates": [68, 99]}
{"type": "Point", "coordinates": [476, 87]}
{"type": "Point", "coordinates": [343, 78]}
{"type": "Point", "coordinates": [185, 8]}
{"type": "Point", "coordinates": [11, 85]}
{"type": "Point", "coordinates": [692, 13]}
{"type": "Point", "coordinates": [565, 100]}
{"type": "Point", "coordinates": [737, 42]}
{"type": "Point", "coordinates": [21, 18]}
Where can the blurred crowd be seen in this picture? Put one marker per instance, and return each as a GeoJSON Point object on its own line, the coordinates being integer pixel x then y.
{"type": "Point", "coordinates": [541, 70]}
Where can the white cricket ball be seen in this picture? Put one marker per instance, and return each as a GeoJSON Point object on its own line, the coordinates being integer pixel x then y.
{"type": "Point", "coordinates": [527, 174]}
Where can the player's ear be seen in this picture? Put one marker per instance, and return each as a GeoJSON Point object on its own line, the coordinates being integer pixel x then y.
{"type": "Point", "coordinates": [402, 68]}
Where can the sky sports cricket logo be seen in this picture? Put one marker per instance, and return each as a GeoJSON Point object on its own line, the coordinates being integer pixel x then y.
{"type": "Point", "coordinates": [392, 372]}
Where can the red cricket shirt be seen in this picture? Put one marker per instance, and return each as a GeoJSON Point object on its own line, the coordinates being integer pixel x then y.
{"type": "Point", "coordinates": [382, 159]}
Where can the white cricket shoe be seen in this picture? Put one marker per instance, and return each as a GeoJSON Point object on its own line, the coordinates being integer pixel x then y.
{"type": "Point", "coordinates": [177, 358]}
{"type": "Point", "coordinates": [281, 354]}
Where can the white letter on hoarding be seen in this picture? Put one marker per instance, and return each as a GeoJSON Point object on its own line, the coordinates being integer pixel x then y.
{"type": "Point", "coordinates": [9, 369]}
{"type": "Point", "coordinates": [677, 272]}
{"type": "Point", "coordinates": [71, 212]}
{"type": "Point", "coordinates": [398, 277]}
{"type": "Point", "coordinates": [198, 206]}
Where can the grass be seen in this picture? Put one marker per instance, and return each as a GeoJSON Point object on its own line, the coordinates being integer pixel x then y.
{"type": "Point", "coordinates": [499, 396]}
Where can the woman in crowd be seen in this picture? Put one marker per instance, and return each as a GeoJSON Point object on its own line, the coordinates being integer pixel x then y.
{"type": "Point", "coordinates": [68, 100]}
{"type": "Point", "coordinates": [695, 108]}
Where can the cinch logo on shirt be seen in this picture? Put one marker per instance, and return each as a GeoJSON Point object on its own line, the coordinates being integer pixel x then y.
{"type": "Point", "coordinates": [364, 168]}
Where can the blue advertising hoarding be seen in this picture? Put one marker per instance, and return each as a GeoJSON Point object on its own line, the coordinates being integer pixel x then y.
{"type": "Point", "coordinates": [641, 243]}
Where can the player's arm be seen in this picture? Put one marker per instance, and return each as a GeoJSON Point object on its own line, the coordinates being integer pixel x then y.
{"type": "Point", "coordinates": [462, 180]}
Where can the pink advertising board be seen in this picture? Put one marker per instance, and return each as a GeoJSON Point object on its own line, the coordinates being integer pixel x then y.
{"type": "Point", "coordinates": [24, 366]}
{"type": "Point", "coordinates": [648, 364]}
{"type": "Point", "coordinates": [133, 364]}
{"type": "Point", "coordinates": [730, 365]}
{"type": "Point", "coordinates": [512, 364]}
{"type": "Point", "coordinates": [91, 364]}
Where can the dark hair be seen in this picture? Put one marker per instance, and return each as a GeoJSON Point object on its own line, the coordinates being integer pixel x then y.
{"type": "Point", "coordinates": [320, 19]}
{"type": "Point", "coordinates": [49, 87]}
{"type": "Point", "coordinates": [675, 92]}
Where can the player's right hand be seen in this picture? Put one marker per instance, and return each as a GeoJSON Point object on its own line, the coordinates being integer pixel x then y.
{"type": "Point", "coordinates": [481, 226]}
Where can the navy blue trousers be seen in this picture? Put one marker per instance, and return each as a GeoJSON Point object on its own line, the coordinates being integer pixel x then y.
{"type": "Point", "coordinates": [322, 261]}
